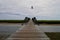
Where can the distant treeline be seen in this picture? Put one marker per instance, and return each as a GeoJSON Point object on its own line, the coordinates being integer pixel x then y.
{"type": "Point", "coordinates": [33, 19]}
{"type": "Point", "coordinates": [12, 21]}
{"type": "Point", "coordinates": [48, 22]}
{"type": "Point", "coordinates": [45, 21]}
{"type": "Point", "coordinates": [15, 21]}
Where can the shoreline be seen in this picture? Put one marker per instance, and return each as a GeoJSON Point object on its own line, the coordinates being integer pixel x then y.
{"type": "Point", "coordinates": [10, 24]}
{"type": "Point", "coordinates": [22, 23]}
{"type": "Point", "coordinates": [50, 24]}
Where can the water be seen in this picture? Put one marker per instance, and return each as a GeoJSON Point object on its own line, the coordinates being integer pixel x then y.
{"type": "Point", "coordinates": [50, 28]}
{"type": "Point", "coordinates": [8, 29]}
{"type": "Point", "coordinates": [45, 28]}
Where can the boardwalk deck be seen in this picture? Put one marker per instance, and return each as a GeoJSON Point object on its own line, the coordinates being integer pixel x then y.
{"type": "Point", "coordinates": [28, 32]}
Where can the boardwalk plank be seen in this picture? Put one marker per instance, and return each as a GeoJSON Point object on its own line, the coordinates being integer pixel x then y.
{"type": "Point", "coordinates": [29, 32]}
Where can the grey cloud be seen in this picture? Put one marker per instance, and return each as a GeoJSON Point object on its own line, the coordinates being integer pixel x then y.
{"type": "Point", "coordinates": [43, 8]}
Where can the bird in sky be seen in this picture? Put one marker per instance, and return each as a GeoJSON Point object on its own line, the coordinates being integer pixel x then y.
{"type": "Point", "coordinates": [32, 7]}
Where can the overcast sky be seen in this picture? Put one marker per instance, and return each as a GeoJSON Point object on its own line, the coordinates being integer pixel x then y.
{"type": "Point", "coordinates": [18, 9]}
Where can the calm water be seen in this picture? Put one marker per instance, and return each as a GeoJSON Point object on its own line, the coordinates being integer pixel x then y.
{"type": "Point", "coordinates": [50, 28]}
{"type": "Point", "coordinates": [9, 29]}
{"type": "Point", "coordinates": [45, 28]}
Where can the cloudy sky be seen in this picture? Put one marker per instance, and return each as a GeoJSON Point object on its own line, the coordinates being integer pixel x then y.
{"type": "Point", "coordinates": [18, 9]}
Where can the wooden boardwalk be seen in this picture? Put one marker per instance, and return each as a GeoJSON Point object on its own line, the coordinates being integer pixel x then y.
{"type": "Point", "coordinates": [28, 32]}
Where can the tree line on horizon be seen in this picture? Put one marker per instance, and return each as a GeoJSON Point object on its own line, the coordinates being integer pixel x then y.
{"type": "Point", "coordinates": [26, 19]}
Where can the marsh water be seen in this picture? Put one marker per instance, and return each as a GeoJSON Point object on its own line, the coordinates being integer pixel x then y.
{"type": "Point", "coordinates": [46, 28]}
{"type": "Point", "coordinates": [50, 28]}
{"type": "Point", "coordinates": [8, 29]}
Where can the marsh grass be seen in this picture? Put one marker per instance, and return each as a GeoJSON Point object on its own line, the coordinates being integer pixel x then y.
{"type": "Point", "coordinates": [53, 35]}
{"type": "Point", "coordinates": [48, 21]}
{"type": "Point", "coordinates": [4, 36]}
{"type": "Point", "coordinates": [12, 21]}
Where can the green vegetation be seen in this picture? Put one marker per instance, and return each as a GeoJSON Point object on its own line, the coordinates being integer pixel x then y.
{"type": "Point", "coordinates": [12, 21]}
{"type": "Point", "coordinates": [37, 21]}
{"type": "Point", "coordinates": [4, 36]}
{"type": "Point", "coordinates": [15, 21]}
{"type": "Point", "coordinates": [48, 21]}
{"type": "Point", "coordinates": [53, 35]}
{"type": "Point", "coordinates": [45, 21]}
